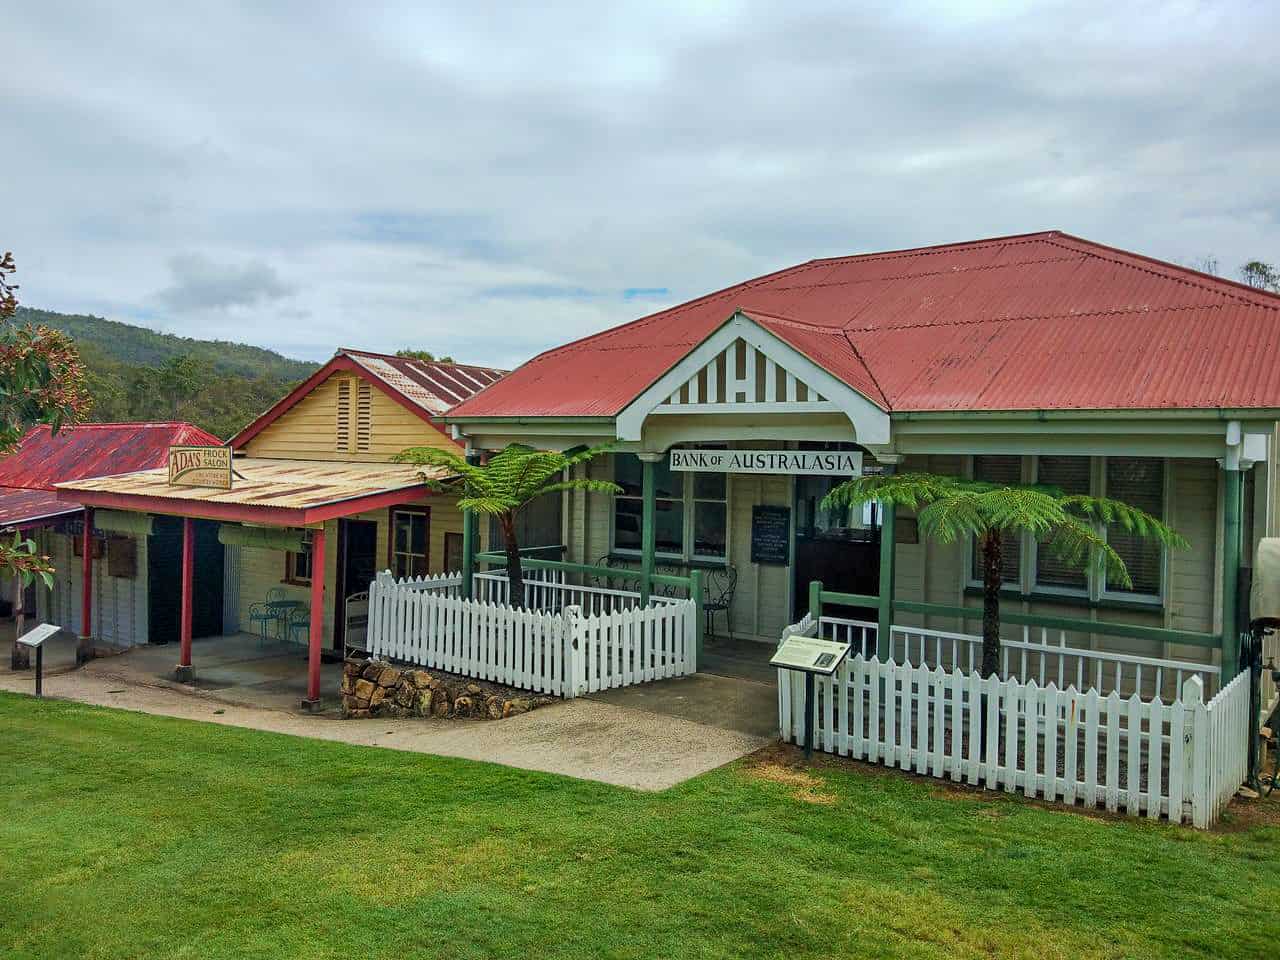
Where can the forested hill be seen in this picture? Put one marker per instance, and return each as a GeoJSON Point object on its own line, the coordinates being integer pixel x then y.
{"type": "Point", "coordinates": [140, 374]}
{"type": "Point", "coordinates": [128, 344]}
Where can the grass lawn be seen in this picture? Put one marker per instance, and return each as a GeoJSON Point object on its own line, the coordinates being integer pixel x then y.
{"type": "Point", "coordinates": [126, 835]}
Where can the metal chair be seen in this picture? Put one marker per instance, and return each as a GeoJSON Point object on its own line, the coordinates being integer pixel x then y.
{"type": "Point", "coordinates": [721, 584]}
{"type": "Point", "coordinates": [266, 612]}
{"type": "Point", "coordinates": [300, 623]}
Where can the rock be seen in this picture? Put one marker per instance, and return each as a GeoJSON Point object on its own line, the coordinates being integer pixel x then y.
{"type": "Point", "coordinates": [348, 683]}
{"type": "Point", "coordinates": [364, 689]}
{"type": "Point", "coordinates": [462, 706]}
{"type": "Point", "coordinates": [1248, 793]}
{"type": "Point", "coordinates": [392, 710]}
{"type": "Point", "coordinates": [389, 677]}
{"type": "Point", "coordinates": [379, 694]}
{"type": "Point", "coordinates": [371, 670]}
{"type": "Point", "coordinates": [515, 707]}
{"type": "Point", "coordinates": [359, 715]}
{"type": "Point", "coordinates": [494, 708]}
{"type": "Point", "coordinates": [406, 695]}
{"type": "Point", "coordinates": [474, 689]}
{"type": "Point", "coordinates": [420, 678]}
{"type": "Point", "coordinates": [440, 706]}
{"type": "Point", "coordinates": [543, 701]}
{"type": "Point", "coordinates": [352, 667]}
{"type": "Point", "coordinates": [423, 705]}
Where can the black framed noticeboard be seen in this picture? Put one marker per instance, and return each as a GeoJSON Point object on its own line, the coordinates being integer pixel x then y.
{"type": "Point", "coordinates": [771, 535]}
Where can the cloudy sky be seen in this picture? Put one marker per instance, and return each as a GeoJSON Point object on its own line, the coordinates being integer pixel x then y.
{"type": "Point", "coordinates": [486, 181]}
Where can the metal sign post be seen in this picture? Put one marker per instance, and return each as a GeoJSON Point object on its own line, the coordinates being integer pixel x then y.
{"type": "Point", "coordinates": [35, 640]}
{"type": "Point", "coordinates": [812, 657]}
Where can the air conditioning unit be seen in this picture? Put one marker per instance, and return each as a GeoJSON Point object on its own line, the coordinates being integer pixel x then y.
{"type": "Point", "coordinates": [1264, 602]}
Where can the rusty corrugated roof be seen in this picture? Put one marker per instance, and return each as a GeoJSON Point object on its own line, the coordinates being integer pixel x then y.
{"type": "Point", "coordinates": [1039, 321]}
{"type": "Point", "coordinates": [42, 459]}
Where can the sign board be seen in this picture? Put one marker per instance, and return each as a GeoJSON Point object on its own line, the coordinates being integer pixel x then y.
{"type": "Point", "coordinates": [200, 467]}
{"type": "Point", "coordinates": [811, 463]}
{"type": "Point", "coordinates": [38, 635]}
{"type": "Point", "coordinates": [771, 535]}
{"type": "Point", "coordinates": [810, 655]}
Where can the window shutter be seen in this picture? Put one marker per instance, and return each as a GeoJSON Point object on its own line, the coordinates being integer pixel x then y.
{"type": "Point", "coordinates": [364, 416]}
{"type": "Point", "coordinates": [344, 416]}
{"type": "Point", "coordinates": [1070, 475]}
{"type": "Point", "coordinates": [1139, 482]}
{"type": "Point", "coordinates": [1001, 470]}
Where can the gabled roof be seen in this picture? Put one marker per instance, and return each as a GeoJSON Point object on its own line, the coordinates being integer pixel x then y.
{"type": "Point", "coordinates": [426, 388]}
{"type": "Point", "coordinates": [1036, 321]}
{"type": "Point", "coordinates": [42, 459]}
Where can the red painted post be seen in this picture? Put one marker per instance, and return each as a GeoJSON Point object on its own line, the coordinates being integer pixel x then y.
{"type": "Point", "coordinates": [317, 618]}
{"type": "Point", "coordinates": [84, 649]}
{"type": "Point", "coordinates": [184, 672]}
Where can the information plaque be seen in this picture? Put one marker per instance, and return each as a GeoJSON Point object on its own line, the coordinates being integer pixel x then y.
{"type": "Point", "coordinates": [810, 655]}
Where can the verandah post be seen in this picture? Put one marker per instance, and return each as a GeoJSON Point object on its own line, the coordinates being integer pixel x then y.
{"type": "Point", "coordinates": [695, 594]}
{"type": "Point", "coordinates": [184, 672]}
{"type": "Point", "coordinates": [648, 531]}
{"type": "Point", "coordinates": [1231, 506]}
{"type": "Point", "coordinates": [469, 537]}
{"type": "Point", "coordinates": [884, 627]}
{"type": "Point", "coordinates": [316, 628]}
{"type": "Point", "coordinates": [84, 649]}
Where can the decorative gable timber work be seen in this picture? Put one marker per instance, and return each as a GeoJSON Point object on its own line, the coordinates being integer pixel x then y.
{"type": "Point", "coordinates": [742, 368]}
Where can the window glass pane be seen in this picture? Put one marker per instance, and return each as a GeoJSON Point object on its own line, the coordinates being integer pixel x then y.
{"type": "Point", "coordinates": [1070, 475]}
{"type": "Point", "coordinates": [418, 565]}
{"type": "Point", "coordinates": [669, 532]}
{"type": "Point", "coordinates": [708, 486]}
{"type": "Point", "coordinates": [708, 529]}
{"type": "Point", "coordinates": [401, 533]}
{"type": "Point", "coordinates": [627, 473]}
{"type": "Point", "coordinates": [418, 542]}
{"type": "Point", "coordinates": [666, 482]}
{"type": "Point", "coordinates": [1000, 470]}
{"type": "Point", "coordinates": [626, 524]}
{"type": "Point", "coordinates": [1139, 482]}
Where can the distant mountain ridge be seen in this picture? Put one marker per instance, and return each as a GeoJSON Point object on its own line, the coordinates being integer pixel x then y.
{"type": "Point", "coordinates": [133, 345]}
{"type": "Point", "coordinates": [138, 374]}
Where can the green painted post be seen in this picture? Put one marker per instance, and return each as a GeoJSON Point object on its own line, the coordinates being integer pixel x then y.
{"type": "Point", "coordinates": [1230, 574]}
{"type": "Point", "coordinates": [815, 600]}
{"type": "Point", "coordinates": [648, 532]}
{"type": "Point", "coordinates": [469, 538]}
{"type": "Point", "coordinates": [695, 594]}
{"type": "Point", "coordinates": [884, 627]}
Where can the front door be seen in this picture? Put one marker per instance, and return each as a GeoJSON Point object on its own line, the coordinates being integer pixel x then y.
{"type": "Point", "coordinates": [357, 566]}
{"type": "Point", "coordinates": [841, 548]}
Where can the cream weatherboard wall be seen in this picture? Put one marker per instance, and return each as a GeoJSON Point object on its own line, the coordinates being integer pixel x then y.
{"type": "Point", "coordinates": [119, 603]}
{"type": "Point", "coordinates": [262, 570]}
{"type": "Point", "coordinates": [309, 430]}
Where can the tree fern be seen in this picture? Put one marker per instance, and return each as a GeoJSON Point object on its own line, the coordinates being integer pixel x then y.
{"type": "Point", "coordinates": [504, 485]}
{"type": "Point", "coordinates": [1071, 527]}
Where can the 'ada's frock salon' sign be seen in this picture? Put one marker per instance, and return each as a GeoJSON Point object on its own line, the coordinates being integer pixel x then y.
{"type": "Point", "coordinates": [200, 467]}
{"type": "Point", "coordinates": [816, 463]}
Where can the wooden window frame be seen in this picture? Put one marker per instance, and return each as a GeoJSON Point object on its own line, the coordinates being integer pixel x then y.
{"type": "Point", "coordinates": [290, 576]}
{"type": "Point", "coordinates": [688, 505]}
{"type": "Point", "coordinates": [423, 511]}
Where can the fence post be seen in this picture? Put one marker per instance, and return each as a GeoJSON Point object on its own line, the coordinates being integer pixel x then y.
{"type": "Point", "coordinates": [1197, 757]}
{"type": "Point", "coordinates": [695, 594]}
{"type": "Point", "coordinates": [570, 647]}
{"type": "Point", "coordinates": [815, 601]}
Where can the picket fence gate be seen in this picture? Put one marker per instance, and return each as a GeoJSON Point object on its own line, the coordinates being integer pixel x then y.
{"type": "Point", "coordinates": [1183, 760]}
{"type": "Point", "coordinates": [563, 653]}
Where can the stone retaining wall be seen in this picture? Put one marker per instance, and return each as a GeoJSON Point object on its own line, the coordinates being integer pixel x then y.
{"type": "Point", "coordinates": [375, 688]}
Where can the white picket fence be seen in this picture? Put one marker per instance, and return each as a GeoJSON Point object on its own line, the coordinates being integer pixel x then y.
{"type": "Point", "coordinates": [1040, 654]}
{"type": "Point", "coordinates": [548, 590]}
{"type": "Point", "coordinates": [562, 652]}
{"type": "Point", "coordinates": [1182, 760]}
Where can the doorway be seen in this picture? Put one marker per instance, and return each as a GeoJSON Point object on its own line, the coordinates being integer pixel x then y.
{"type": "Point", "coordinates": [164, 580]}
{"type": "Point", "coordinates": [357, 566]}
{"type": "Point", "coordinates": [840, 547]}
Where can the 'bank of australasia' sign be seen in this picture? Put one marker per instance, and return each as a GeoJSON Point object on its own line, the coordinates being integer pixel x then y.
{"type": "Point", "coordinates": [200, 467]}
{"type": "Point", "coordinates": [818, 463]}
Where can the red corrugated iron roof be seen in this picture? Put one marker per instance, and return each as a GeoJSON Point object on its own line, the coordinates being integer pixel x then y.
{"type": "Point", "coordinates": [425, 387]}
{"type": "Point", "coordinates": [1032, 322]}
{"type": "Point", "coordinates": [43, 459]}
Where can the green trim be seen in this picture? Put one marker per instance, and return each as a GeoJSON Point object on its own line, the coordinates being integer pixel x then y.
{"type": "Point", "coordinates": [1103, 627]}
{"type": "Point", "coordinates": [818, 597]}
{"type": "Point", "coordinates": [662, 579]}
{"type": "Point", "coordinates": [648, 529]}
{"type": "Point", "coordinates": [1231, 508]}
{"type": "Point", "coordinates": [888, 557]}
{"type": "Point", "coordinates": [1150, 413]}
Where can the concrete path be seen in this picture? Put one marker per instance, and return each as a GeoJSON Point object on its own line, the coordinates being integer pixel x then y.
{"type": "Point", "coordinates": [585, 738]}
